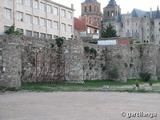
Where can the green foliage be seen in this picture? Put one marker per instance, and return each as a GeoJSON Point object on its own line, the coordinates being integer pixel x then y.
{"type": "Point", "coordinates": [93, 51]}
{"type": "Point", "coordinates": [145, 76]}
{"type": "Point", "coordinates": [59, 42]}
{"type": "Point", "coordinates": [52, 45]}
{"type": "Point", "coordinates": [13, 31]}
{"type": "Point", "coordinates": [113, 74]}
{"type": "Point", "coordinates": [86, 49]}
{"type": "Point", "coordinates": [90, 50]}
{"type": "Point", "coordinates": [109, 32]}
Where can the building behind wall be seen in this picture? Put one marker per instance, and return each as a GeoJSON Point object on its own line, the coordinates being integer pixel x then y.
{"type": "Point", "coordinates": [91, 14]}
{"type": "Point", "coordinates": [144, 26]}
{"type": "Point", "coordinates": [37, 18]}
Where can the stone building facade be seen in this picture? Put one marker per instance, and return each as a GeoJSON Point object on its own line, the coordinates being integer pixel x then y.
{"type": "Point", "coordinates": [38, 18]}
{"type": "Point", "coordinates": [144, 26]}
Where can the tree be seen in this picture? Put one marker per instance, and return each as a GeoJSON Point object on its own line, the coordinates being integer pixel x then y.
{"type": "Point", "coordinates": [13, 31]}
{"type": "Point", "coordinates": [108, 32]}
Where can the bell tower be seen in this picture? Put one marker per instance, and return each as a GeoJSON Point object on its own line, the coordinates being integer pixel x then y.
{"type": "Point", "coordinates": [91, 14]}
{"type": "Point", "coordinates": [111, 12]}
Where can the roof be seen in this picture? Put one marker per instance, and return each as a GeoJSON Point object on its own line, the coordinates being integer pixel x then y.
{"type": "Point", "coordinates": [90, 1]}
{"type": "Point", "coordinates": [52, 2]}
{"type": "Point", "coordinates": [139, 13]}
{"type": "Point", "coordinates": [112, 3]}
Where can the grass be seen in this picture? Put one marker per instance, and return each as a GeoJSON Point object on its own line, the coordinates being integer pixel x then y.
{"type": "Point", "coordinates": [96, 85]}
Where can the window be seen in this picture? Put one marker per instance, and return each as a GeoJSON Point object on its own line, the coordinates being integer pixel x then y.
{"type": "Point", "coordinates": [35, 4]}
{"type": "Point", "coordinates": [36, 20]}
{"type": "Point", "coordinates": [108, 13]}
{"type": "Point", "coordinates": [29, 33]}
{"type": "Point", "coordinates": [49, 36]}
{"type": "Point", "coordinates": [19, 1]}
{"type": "Point", "coordinates": [63, 27]}
{"type": "Point", "coordinates": [55, 11]}
{"type": "Point", "coordinates": [43, 35]}
{"type": "Point", "coordinates": [85, 9]}
{"type": "Point", "coordinates": [42, 7]}
{"type": "Point", "coordinates": [42, 22]}
{"type": "Point", "coordinates": [28, 3]}
{"type": "Point", "coordinates": [49, 8]}
{"type": "Point", "coordinates": [36, 34]}
{"type": "Point", "coordinates": [49, 23]}
{"type": "Point", "coordinates": [8, 13]}
{"type": "Point", "coordinates": [28, 19]}
{"type": "Point", "coordinates": [55, 24]}
{"type": "Point", "coordinates": [63, 13]}
{"type": "Point", "coordinates": [19, 16]}
{"type": "Point", "coordinates": [90, 8]}
{"type": "Point", "coordinates": [70, 15]}
{"type": "Point", "coordinates": [69, 28]}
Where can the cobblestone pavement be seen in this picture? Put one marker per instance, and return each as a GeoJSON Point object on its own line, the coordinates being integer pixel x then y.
{"type": "Point", "coordinates": [79, 106]}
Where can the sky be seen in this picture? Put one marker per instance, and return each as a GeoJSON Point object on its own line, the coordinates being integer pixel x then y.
{"type": "Point", "coordinates": [126, 5]}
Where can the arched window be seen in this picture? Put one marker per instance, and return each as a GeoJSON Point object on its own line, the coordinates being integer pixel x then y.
{"type": "Point", "coordinates": [85, 9]}
{"type": "Point", "coordinates": [108, 13]}
{"type": "Point", "coordinates": [90, 8]}
{"type": "Point", "coordinates": [112, 13]}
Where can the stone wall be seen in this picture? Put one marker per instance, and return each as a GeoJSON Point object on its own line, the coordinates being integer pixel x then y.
{"type": "Point", "coordinates": [10, 62]}
{"type": "Point", "coordinates": [122, 62]}
{"type": "Point", "coordinates": [24, 59]}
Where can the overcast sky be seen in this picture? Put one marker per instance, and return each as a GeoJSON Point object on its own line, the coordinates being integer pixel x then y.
{"type": "Point", "coordinates": [126, 5]}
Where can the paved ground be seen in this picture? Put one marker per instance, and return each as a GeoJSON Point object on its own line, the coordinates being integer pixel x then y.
{"type": "Point", "coordinates": [78, 106]}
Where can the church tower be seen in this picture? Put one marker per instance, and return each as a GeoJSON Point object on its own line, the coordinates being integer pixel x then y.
{"type": "Point", "coordinates": [112, 15]}
{"type": "Point", "coordinates": [91, 14]}
{"type": "Point", "coordinates": [111, 12]}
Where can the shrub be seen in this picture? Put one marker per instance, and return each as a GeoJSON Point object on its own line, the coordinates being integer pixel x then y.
{"type": "Point", "coordinates": [59, 42]}
{"type": "Point", "coordinates": [52, 45]}
{"type": "Point", "coordinates": [86, 49]}
{"type": "Point", "coordinates": [93, 51]}
{"type": "Point", "coordinates": [145, 76]}
{"type": "Point", "coordinates": [12, 31]}
{"type": "Point", "coordinates": [113, 74]}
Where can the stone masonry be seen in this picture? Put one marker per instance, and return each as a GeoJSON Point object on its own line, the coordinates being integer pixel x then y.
{"type": "Point", "coordinates": [24, 59]}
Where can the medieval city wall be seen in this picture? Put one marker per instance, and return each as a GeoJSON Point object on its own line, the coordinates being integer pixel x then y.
{"type": "Point", "coordinates": [24, 59]}
{"type": "Point", "coordinates": [121, 62]}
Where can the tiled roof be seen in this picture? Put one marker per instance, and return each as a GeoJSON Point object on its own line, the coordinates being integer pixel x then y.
{"type": "Point", "coordinates": [140, 13]}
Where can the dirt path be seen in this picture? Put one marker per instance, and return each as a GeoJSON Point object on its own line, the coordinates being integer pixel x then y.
{"type": "Point", "coordinates": [78, 106]}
